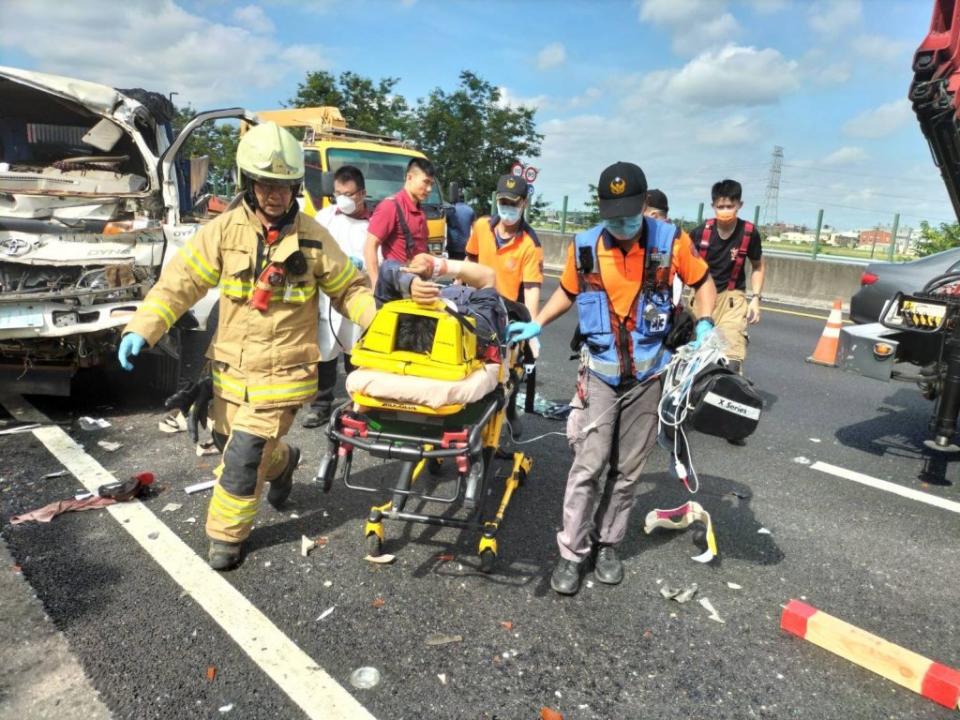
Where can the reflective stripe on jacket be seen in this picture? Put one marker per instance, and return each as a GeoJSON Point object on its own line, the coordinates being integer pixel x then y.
{"type": "Point", "coordinates": [266, 358]}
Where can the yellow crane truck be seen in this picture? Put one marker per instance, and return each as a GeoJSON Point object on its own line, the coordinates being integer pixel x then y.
{"type": "Point", "coordinates": [329, 144]}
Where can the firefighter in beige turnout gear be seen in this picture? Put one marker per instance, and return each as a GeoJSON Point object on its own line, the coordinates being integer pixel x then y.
{"type": "Point", "coordinates": [269, 261]}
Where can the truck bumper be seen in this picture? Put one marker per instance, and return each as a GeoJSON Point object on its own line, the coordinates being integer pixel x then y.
{"type": "Point", "coordinates": [858, 353]}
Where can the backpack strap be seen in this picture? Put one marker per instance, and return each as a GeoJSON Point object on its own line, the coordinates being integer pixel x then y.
{"type": "Point", "coordinates": [741, 255]}
{"type": "Point", "coordinates": [705, 238]}
{"type": "Point", "coordinates": [407, 235]}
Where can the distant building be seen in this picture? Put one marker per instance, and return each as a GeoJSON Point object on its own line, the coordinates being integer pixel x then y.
{"type": "Point", "coordinates": [874, 238]}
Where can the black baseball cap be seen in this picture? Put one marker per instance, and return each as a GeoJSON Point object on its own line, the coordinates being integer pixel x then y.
{"type": "Point", "coordinates": [621, 190]}
{"type": "Point", "coordinates": [511, 187]}
{"type": "Point", "coordinates": [657, 199]}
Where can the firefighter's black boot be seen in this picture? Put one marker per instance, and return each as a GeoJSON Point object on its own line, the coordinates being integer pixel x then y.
{"type": "Point", "coordinates": [281, 486]}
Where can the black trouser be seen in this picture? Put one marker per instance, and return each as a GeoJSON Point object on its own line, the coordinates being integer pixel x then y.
{"type": "Point", "coordinates": [457, 254]}
{"type": "Point", "coordinates": [327, 383]}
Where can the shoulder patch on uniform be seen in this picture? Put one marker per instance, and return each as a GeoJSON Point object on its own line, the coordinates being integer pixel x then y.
{"type": "Point", "coordinates": [315, 244]}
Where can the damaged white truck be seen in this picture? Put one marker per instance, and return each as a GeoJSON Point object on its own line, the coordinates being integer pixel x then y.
{"type": "Point", "coordinates": [93, 202]}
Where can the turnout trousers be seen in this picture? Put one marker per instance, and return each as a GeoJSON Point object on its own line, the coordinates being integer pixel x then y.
{"type": "Point", "coordinates": [254, 454]}
{"type": "Point", "coordinates": [600, 431]}
{"type": "Point", "coordinates": [730, 318]}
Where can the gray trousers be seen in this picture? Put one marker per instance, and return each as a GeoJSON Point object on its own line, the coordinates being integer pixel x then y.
{"type": "Point", "coordinates": [623, 437]}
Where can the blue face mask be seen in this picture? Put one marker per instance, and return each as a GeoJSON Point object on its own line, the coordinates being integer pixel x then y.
{"type": "Point", "coordinates": [624, 228]}
{"type": "Point", "coordinates": [509, 214]}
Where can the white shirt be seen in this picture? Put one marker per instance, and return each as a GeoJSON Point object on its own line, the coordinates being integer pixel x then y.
{"type": "Point", "coordinates": [351, 235]}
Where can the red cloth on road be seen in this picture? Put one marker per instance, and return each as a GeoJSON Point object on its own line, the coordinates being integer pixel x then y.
{"type": "Point", "coordinates": [49, 512]}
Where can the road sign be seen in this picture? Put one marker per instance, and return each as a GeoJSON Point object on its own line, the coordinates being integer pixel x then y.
{"type": "Point", "coordinates": [530, 173]}
{"type": "Point", "coordinates": [516, 170]}
{"type": "Point", "coordinates": [529, 190]}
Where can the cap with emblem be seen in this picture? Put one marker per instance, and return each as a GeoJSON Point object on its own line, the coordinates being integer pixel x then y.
{"type": "Point", "coordinates": [510, 187]}
{"type": "Point", "coordinates": [622, 190]}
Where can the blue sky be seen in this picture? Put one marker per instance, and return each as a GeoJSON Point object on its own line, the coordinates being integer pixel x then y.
{"type": "Point", "coordinates": [691, 90]}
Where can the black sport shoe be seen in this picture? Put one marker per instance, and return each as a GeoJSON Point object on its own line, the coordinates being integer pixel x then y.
{"type": "Point", "coordinates": [317, 416]}
{"type": "Point", "coordinates": [566, 577]}
{"type": "Point", "coordinates": [224, 555]}
{"type": "Point", "coordinates": [281, 486]}
{"type": "Point", "coordinates": [738, 442]}
{"type": "Point", "coordinates": [608, 568]}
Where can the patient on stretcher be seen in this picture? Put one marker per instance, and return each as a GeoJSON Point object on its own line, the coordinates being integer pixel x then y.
{"type": "Point", "coordinates": [432, 346]}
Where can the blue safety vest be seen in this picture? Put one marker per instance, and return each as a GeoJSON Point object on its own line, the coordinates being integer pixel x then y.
{"type": "Point", "coordinates": [607, 341]}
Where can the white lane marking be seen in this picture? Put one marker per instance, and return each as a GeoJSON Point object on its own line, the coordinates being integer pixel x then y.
{"type": "Point", "coordinates": [295, 672]}
{"type": "Point", "coordinates": [906, 492]}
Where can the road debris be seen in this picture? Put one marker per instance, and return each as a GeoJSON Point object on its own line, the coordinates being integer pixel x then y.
{"type": "Point", "coordinates": [506, 624]}
{"type": "Point", "coordinates": [708, 606]}
{"type": "Point", "coordinates": [325, 613]}
{"type": "Point", "coordinates": [764, 531]}
{"type": "Point", "coordinates": [55, 474]}
{"type": "Point", "coordinates": [90, 423]}
{"type": "Point", "coordinates": [438, 639]}
{"type": "Point", "coordinates": [107, 494]}
{"type": "Point", "coordinates": [226, 708]}
{"type": "Point", "coordinates": [444, 557]}
{"type": "Point", "coordinates": [211, 673]}
{"type": "Point", "coordinates": [19, 429]}
{"type": "Point", "coordinates": [171, 507]}
{"type": "Point", "coordinates": [734, 586]}
{"type": "Point", "coordinates": [306, 545]}
{"type": "Point", "coordinates": [378, 602]}
{"type": "Point", "coordinates": [109, 446]}
{"type": "Point", "coordinates": [681, 595]}
{"type": "Point", "coordinates": [385, 559]}
{"type": "Point", "coordinates": [199, 487]}
{"type": "Point", "coordinates": [364, 678]}
{"type": "Point", "coordinates": [690, 514]}
{"type": "Point", "coordinates": [442, 677]}
{"type": "Point", "coordinates": [814, 440]}
{"type": "Point", "coordinates": [801, 460]}
{"type": "Point", "coordinates": [547, 713]}
{"type": "Point", "coordinates": [207, 447]}
{"type": "Point", "coordinates": [328, 583]}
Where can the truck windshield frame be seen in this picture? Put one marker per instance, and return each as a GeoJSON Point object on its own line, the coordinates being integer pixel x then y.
{"type": "Point", "coordinates": [383, 172]}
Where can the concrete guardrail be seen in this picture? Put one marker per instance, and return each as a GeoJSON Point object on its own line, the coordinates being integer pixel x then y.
{"type": "Point", "coordinates": [796, 280]}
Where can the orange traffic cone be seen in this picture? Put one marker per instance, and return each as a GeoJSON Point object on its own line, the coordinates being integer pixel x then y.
{"type": "Point", "coordinates": [828, 345]}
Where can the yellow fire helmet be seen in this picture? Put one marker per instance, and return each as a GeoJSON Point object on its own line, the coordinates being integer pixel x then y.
{"type": "Point", "coordinates": [269, 153]}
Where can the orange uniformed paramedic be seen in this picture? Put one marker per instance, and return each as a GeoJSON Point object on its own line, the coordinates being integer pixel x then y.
{"type": "Point", "coordinates": [619, 276]}
{"type": "Point", "coordinates": [506, 243]}
{"type": "Point", "coordinates": [270, 261]}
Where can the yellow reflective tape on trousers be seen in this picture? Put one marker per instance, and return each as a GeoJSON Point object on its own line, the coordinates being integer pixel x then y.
{"type": "Point", "coordinates": [232, 510]}
{"type": "Point", "coordinates": [340, 281]}
{"type": "Point", "coordinates": [281, 391]}
{"type": "Point", "coordinates": [199, 265]}
{"type": "Point", "coordinates": [158, 307]}
{"type": "Point", "coordinates": [358, 305]}
{"type": "Point", "coordinates": [228, 385]}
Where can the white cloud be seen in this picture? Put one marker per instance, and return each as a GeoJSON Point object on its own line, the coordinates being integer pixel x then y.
{"type": "Point", "coordinates": [730, 76]}
{"type": "Point", "coordinates": [768, 7]}
{"type": "Point", "coordinates": [713, 24]}
{"type": "Point", "coordinates": [675, 12]}
{"type": "Point", "coordinates": [880, 121]}
{"type": "Point", "coordinates": [878, 48]}
{"type": "Point", "coordinates": [551, 56]}
{"type": "Point", "coordinates": [154, 44]}
{"type": "Point", "coordinates": [254, 19]}
{"type": "Point", "coordinates": [832, 17]}
{"type": "Point", "coordinates": [508, 99]}
{"type": "Point", "coordinates": [587, 97]}
{"type": "Point", "coordinates": [733, 130]}
{"type": "Point", "coordinates": [846, 155]}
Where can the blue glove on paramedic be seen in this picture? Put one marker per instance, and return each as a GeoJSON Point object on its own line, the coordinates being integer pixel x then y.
{"type": "Point", "coordinates": [703, 328]}
{"type": "Point", "coordinates": [520, 331]}
{"type": "Point", "coordinates": [130, 346]}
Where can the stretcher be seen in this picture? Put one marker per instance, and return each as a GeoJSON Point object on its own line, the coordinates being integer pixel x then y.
{"type": "Point", "coordinates": [458, 424]}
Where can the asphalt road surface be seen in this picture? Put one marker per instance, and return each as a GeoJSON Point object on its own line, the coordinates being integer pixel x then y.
{"type": "Point", "coordinates": [159, 636]}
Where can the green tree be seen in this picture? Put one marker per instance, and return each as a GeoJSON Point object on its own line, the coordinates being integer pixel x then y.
{"type": "Point", "coordinates": [215, 140]}
{"type": "Point", "coordinates": [536, 209]}
{"type": "Point", "coordinates": [593, 206]}
{"type": "Point", "coordinates": [471, 137]}
{"type": "Point", "coordinates": [936, 240]}
{"type": "Point", "coordinates": [366, 105]}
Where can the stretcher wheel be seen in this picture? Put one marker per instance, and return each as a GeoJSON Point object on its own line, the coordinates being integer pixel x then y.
{"type": "Point", "coordinates": [435, 466]}
{"type": "Point", "coordinates": [487, 560]}
{"type": "Point", "coordinates": [374, 546]}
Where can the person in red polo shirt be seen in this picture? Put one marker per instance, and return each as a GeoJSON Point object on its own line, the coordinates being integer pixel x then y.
{"type": "Point", "coordinates": [398, 226]}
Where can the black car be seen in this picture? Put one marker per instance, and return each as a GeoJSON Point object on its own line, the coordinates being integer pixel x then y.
{"type": "Point", "coordinates": [881, 281]}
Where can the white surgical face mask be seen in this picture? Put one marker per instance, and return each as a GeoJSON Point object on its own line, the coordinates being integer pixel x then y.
{"type": "Point", "coordinates": [346, 205]}
{"type": "Point", "coordinates": [509, 214]}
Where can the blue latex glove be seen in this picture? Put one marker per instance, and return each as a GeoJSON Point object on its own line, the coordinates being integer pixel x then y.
{"type": "Point", "coordinates": [700, 332]}
{"type": "Point", "coordinates": [520, 331]}
{"type": "Point", "coordinates": [357, 262]}
{"type": "Point", "coordinates": [130, 346]}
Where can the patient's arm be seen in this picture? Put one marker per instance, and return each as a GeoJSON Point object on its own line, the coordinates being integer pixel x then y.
{"type": "Point", "coordinates": [428, 267]}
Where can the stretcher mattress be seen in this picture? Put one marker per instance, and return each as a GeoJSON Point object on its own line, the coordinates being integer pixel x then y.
{"type": "Point", "coordinates": [424, 391]}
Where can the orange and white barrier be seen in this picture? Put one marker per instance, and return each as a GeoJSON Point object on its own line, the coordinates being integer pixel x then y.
{"type": "Point", "coordinates": [829, 344]}
{"type": "Point", "coordinates": [928, 678]}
